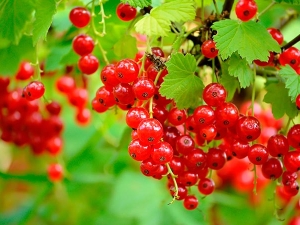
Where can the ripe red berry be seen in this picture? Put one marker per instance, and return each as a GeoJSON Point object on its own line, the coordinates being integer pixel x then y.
{"type": "Point", "coordinates": [185, 144]}
{"type": "Point", "coordinates": [291, 161]}
{"type": "Point", "coordinates": [80, 17]}
{"type": "Point", "coordinates": [108, 76]}
{"type": "Point", "coordinates": [25, 71]}
{"type": "Point", "coordinates": [33, 90]}
{"type": "Point", "coordinates": [206, 186]}
{"type": "Point", "coordinates": [176, 116]}
{"type": "Point", "coordinates": [55, 172]}
{"type": "Point", "coordinates": [135, 115]}
{"type": "Point", "coordinates": [293, 136]}
{"type": "Point", "coordinates": [214, 94]}
{"type": "Point", "coordinates": [258, 154]}
{"type": "Point", "coordinates": [83, 116]}
{"type": "Point", "coordinates": [248, 128]}
{"type": "Point", "coordinates": [187, 178]}
{"type": "Point", "coordinates": [143, 88]}
{"type": "Point", "coordinates": [182, 191]}
{"type": "Point", "coordinates": [278, 145]}
{"type": "Point", "coordinates": [216, 158]}
{"type": "Point", "coordinates": [54, 145]}
{"type": "Point", "coordinates": [88, 64]}
{"type": "Point", "coordinates": [204, 115]}
{"type": "Point", "coordinates": [123, 94]}
{"type": "Point", "coordinates": [227, 115]}
{"type": "Point", "coordinates": [150, 131]}
{"type": "Point", "coordinates": [272, 168]}
{"type": "Point", "coordinates": [148, 167]}
{"type": "Point", "coordinates": [162, 153]}
{"type": "Point", "coordinates": [298, 102]}
{"type": "Point", "coordinates": [98, 107]}
{"type": "Point", "coordinates": [137, 151]}
{"type": "Point", "coordinates": [65, 84]}
{"type": "Point", "coordinates": [290, 56]}
{"type": "Point", "coordinates": [190, 202]}
{"type": "Point", "coordinates": [53, 108]}
{"type": "Point", "coordinates": [195, 160]}
{"type": "Point", "coordinates": [127, 70]}
{"type": "Point", "coordinates": [276, 35]}
{"type": "Point", "coordinates": [246, 9]}
{"type": "Point", "coordinates": [105, 97]}
{"type": "Point", "coordinates": [125, 12]}
{"type": "Point", "coordinates": [208, 49]}
{"type": "Point", "coordinates": [83, 44]}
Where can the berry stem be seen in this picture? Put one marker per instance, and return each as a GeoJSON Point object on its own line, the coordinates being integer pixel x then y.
{"type": "Point", "coordinates": [253, 91]}
{"type": "Point", "coordinates": [202, 10]}
{"type": "Point", "coordinates": [151, 107]}
{"type": "Point", "coordinates": [216, 7]}
{"type": "Point", "coordinates": [142, 69]}
{"type": "Point", "coordinates": [227, 7]}
{"type": "Point", "coordinates": [291, 43]}
{"type": "Point", "coordinates": [266, 9]}
{"type": "Point", "coordinates": [102, 13]}
{"type": "Point", "coordinates": [255, 180]}
{"type": "Point", "coordinates": [175, 183]}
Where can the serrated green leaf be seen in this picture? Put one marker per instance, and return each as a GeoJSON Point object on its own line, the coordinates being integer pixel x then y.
{"type": "Point", "coordinates": [11, 56]}
{"type": "Point", "coordinates": [55, 57]}
{"type": "Point", "coordinates": [295, 2]}
{"type": "Point", "coordinates": [158, 22]}
{"type": "Point", "coordinates": [126, 47]}
{"type": "Point", "coordinates": [44, 12]}
{"type": "Point", "coordinates": [249, 39]}
{"type": "Point", "coordinates": [292, 81]}
{"type": "Point", "coordinates": [239, 68]}
{"type": "Point", "coordinates": [230, 83]}
{"type": "Point", "coordinates": [138, 3]}
{"type": "Point", "coordinates": [14, 14]}
{"type": "Point", "coordinates": [277, 96]}
{"type": "Point", "coordinates": [178, 41]}
{"type": "Point", "coordinates": [181, 84]}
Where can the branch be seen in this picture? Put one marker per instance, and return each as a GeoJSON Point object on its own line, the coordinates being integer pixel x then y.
{"type": "Point", "coordinates": [227, 7]}
{"type": "Point", "coordinates": [291, 43]}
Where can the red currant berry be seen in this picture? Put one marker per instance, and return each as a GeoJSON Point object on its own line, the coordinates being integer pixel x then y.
{"type": "Point", "coordinates": [216, 158]}
{"type": "Point", "coordinates": [25, 71]}
{"type": "Point", "coordinates": [267, 63]}
{"type": "Point", "coordinates": [127, 70]}
{"type": "Point", "coordinates": [33, 90]}
{"type": "Point", "coordinates": [160, 113]}
{"type": "Point", "coordinates": [54, 145]}
{"type": "Point", "coordinates": [126, 12]}
{"type": "Point", "coordinates": [65, 84]}
{"type": "Point", "coordinates": [248, 128]}
{"type": "Point", "coordinates": [204, 115]}
{"type": "Point", "coordinates": [108, 76]}
{"type": "Point", "coordinates": [123, 94]}
{"type": "Point", "coordinates": [137, 151]}
{"type": "Point", "coordinates": [148, 167]}
{"type": "Point", "coordinates": [293, 136]}
{"type": "Point", "coordinates": [78, 97]}
{"type": "Point", "coordinates": [162, 153]}
{"type": "Point", "coordinates": [185, 144]}
{"type": "Point", "coordinates": [278, 145]}
{"type": "Point", "coordinates": [143, 88]}
{"type": "Point", "coordinates": [206, 186]}
{"type": "Point", "coordinates": [83, 44]}
{"type": "Point", "coordinates": [53, 108]}
{"type": "Point", "coordinates": [177, 165]}
{"type": "Point", "coordinates": [208, 132]}
{"type": "Point", "coordinates": [290, 56]}
{"type": "Point", "coordinates": [240, 149]}
{"type": "Point", "coordinates": [88, 64]}
{"type": "Point", "coordinates": [245, 9]}
{"type": "Point", "coordinates": [195, 160]}
{"type": "Point", "coordinates": [83, 116]}
{"type": "Point", "coordinates": [105, 97]}
{"type": "Point", "coordinates": [227, 115]}
{"type": "Point", "coordinates": [55, 172]}
{"type": "Point", "coordinates": [176, 116]}
{"type": "Point", "coordinates": [289, 177]}
{"type": "Point", "coordinates": [276, 35]}
{"type": "Point", "coordinates": [272, 168]}
{"type": "Point", "coordinates": [291, 161]}
{"type": "Point", "coordinates": [187, 178]}
{"type": "Point", "coordinates": [135, 115]}
{"type": "Point", "coordinates": [80, 17]}
{"type": "Point", "coordinates": [208, 49]}
{"type": "Point", "coordinates": [150, 131]}
{"type": "Point", "coordinates": [182, 192]}
{"type": "Point", "coordinates": [98, 107]}
{"type": "Point", "coordinates": [258, 154]}
{"type": "Point", "coordinates": [214, 94]}
{"type": "Point", "coordinates": [190, 202]}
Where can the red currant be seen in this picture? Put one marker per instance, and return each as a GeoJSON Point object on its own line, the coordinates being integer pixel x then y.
{"type": "Point", "coordinates": [150, 131]}
{"type": "Point", "coordinates": [88, 64]}
{"type": "Point", "coordinates": [214, 94]}
{"type": "Point", "coordinates": [272, 168]}
{"type": "Point", "coordinates": [65, 84]}
{"type": "Point", "coordinates": [105, 97]}
{"type": "Point", "coordinates": [293, 136]}
{"type": "Point", "coordinates": [162, 153]}
{"type": "Point", "coordinates": [227, 115]}
{"type": "Point", "coordinates": [55, 172]}
{"type": "Point", "coordinates": [135, 115]}
{"type": "Point", "coordinates": [185, 144]}
{"type": "Point", "coordinates": [208, 49]}
{"type": "Point", "coordinates": [276, 35]}
{"type": "Point", "coordinates": [176, 116]}
{"type": "Point", "coordinates": [246, 9]}
{"type": "Point", "coordinates": [206, 186]}
{"type": "Point", "coordinates": [248, 128]}
{"type": "Point", "coordinates": [216, 158]}
{"type": "Point", "coordinates": [25, 71]}
{"type": "Point", "coordinates": [291, 161]}
{"type": "Point", "coordinates": [80, 17]}
{"type": "Point", "coordinates": [83, 44]}
{"type": "Point", "coordinates": [108, 76]}
{"type": "Point", "coordinates": [258, 154]}
{"type": "Point", "coordinates": [290, 56]}
{"type": "Point", "coordinates": [127, 70]}
{"type": "Point", "coordinates": [126, 12]}
{"type": "Point", "coordinates": [137, 151]}
{"type": "Point", "coordinates": [298, 102]}
{"type": "Point", "coordinates": [33, 90]}
{"type": "Point", "coordinates": [190, 202]}
{"type": "Point", "coordinates": [143, 88]}
{"type": "Point", "coordinates": [278, 145]}
{"type": "Point", "coordinates": [204, 115]}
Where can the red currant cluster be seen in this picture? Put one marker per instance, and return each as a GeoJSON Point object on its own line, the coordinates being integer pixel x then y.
{"type": "Point", "coordinates": [83, 44]}
{"type": "Point", "coordinates": [23, 123]}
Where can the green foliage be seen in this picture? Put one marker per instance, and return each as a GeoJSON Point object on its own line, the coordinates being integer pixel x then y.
{"type": "Point", "coordinates": [230, 83]}
{"type": "Point", "coordinates": [181, 84]}
{"type": "Point", "coordinates": [277, 96]}
{"type": "Point", "coordinates": [295, 2]}
{"type": "Point", "coordinates": [138, 3]}
{"type": "Point", "coordinates": [158, 22]}
{"type": "Point", "coordinates": [126, 47]}
{"type": "Point", "coordinates": [14, 14]}
{"type": "Point", "coordinates": [292, 81]}
{"type": "Point", "coordinates": [249, 39]}
{"type": "Point", "coordinates": [43, 18]}
{"type": "Point", "coordinates": [239, 68]}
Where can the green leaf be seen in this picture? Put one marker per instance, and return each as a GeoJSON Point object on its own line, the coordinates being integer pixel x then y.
{"type": "Point", "coordinates": [177, 43]}
{"type": "Point", "coordinates": [181, 84]}
{"type": "Point", "coordinates": [11, 56]}
{"type": "Point", "coordinates": [295, 2]}
{"type": "Point", "coordinates": [230, 83]}
{"type": "Point", "coordinates": [158, 22]}
{"type": "Point", "coordinates": [277, 96]}
{"type": "Point", "coordinates": [250, 40]}
{"type": "Point", "coordinates": [126, 47]}
{"type": "Point", "coordinates": [14, 14]}
{"type": "Point", "coordinates": [239, 68]}
{"type": "Point", "coordinates": [292, 81]}
{"type": "Point", "coordinates": [56, 56]}
{"type": "Point", "coordinates": [138, 3]}
{"type": "Point", "coordinates": [43, 18]}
